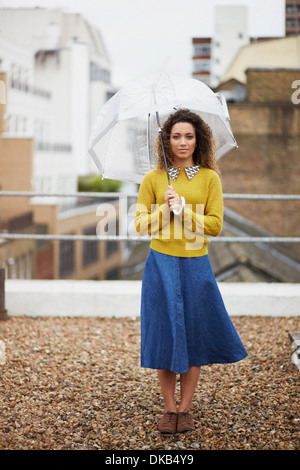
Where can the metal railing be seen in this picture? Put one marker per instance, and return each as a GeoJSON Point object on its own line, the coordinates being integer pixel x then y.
{"type": "Point", "coordinates": [126, 237]}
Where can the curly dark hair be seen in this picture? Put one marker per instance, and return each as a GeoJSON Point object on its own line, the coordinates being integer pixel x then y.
{"type": "Point", "coordinates": [205, 150]}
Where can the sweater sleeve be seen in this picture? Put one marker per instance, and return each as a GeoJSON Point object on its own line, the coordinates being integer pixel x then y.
{"type": "Point", "coordinates": [150, 217]}
{"type": "Point", "coordinates": [208, 217]}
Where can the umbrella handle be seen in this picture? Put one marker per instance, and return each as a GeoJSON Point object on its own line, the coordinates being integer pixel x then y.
{"type": "Point", "coordinates": [162, 146]}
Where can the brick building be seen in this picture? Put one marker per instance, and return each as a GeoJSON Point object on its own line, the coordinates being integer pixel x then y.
{"type": "Point", "coordinates": [292, 17]}
{"type": "Point", "coordinates": [267, 129]}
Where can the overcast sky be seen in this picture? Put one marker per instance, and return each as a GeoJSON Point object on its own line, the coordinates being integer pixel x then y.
{"type": "Point", "coordinates": [147, 36]}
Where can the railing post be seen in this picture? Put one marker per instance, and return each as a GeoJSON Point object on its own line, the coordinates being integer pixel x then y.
{"type": "Point", "coordinates": [3, 311]}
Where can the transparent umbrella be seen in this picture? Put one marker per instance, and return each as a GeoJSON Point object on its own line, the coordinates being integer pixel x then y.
{"type": "Point", "coordinates": [122, 138]}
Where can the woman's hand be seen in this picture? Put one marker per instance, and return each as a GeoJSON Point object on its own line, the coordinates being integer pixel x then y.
{"type": "Point", "coordinates": [172, 199]}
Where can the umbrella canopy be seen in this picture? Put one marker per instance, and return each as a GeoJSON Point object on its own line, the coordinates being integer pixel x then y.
{"type": "Point", "coordinates": [122, 138]}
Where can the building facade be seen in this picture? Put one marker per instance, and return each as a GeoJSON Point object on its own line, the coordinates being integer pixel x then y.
{"type": "Point", "coordinates": [54, 76]}
{"type": "Point", "coordinates": [292, 17]}
{"type": "Point", "coordinates": [61, 58]}
{"type": "Point", "coordinates": [202, 59]}
{"type": "Point", "coordinates": [212, 56]}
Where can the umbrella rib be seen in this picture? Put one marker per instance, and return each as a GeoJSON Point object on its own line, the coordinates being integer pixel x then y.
{"type": "Point", "coordinates": [148, 140]}
{"type": "Point", "coordinates": [136, 102]}
{"type": "Point", "coordinates": [105, 131]}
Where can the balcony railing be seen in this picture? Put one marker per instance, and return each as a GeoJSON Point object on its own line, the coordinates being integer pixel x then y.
{"type": "Point", "coordinates": [123, 198]}
{"type": "Point", "coordinates": [33, 90]}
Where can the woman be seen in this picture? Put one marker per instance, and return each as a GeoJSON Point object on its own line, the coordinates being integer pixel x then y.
{"type": "Point", "coordinates": [184, 324]}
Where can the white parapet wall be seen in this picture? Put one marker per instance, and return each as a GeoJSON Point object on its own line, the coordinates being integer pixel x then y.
{"type": "Point", "coordinates": [122, 298]}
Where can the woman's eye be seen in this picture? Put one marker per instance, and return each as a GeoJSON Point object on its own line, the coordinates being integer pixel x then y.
{"type": "Point", "coordinates": [189, 137]}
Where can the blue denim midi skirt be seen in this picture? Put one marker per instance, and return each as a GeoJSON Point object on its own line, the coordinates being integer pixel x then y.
{"type": "Point", "coordinates": [184, 321]}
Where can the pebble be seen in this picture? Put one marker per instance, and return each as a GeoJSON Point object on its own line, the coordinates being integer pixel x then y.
{"type": "Point", "coordinates": [195, 445]}
{"type": "Point", "coordinates": [76, 383]}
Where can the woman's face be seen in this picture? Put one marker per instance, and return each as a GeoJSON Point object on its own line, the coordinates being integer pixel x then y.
{"type": "Point", "coordinates": [183, 143]}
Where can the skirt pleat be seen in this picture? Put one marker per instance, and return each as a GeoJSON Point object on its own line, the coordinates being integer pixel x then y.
{"type": "Point", "coordinates": [184, 321]}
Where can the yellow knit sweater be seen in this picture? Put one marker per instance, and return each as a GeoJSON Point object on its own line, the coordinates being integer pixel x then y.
{"type": "Point", "coordinates": [183, 234]}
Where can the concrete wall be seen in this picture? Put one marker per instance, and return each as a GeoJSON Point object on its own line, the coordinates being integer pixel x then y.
{"type": "Point", "coordinates": [122, 298]}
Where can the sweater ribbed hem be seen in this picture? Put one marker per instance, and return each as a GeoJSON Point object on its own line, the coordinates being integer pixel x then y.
{"type": "Point", "coordinates": [180, 249]}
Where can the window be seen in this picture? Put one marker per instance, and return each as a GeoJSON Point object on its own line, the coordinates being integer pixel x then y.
{"type": "Point", "coordinates": [90, 252]}
{"type": "Point", "coordinates": [202, 66]}
{"type": "Point", "coordinates": [112, 246]}
{"type": "Point", "coordinates": [66, 258]}
{"type": "Point", "coordinates": [201, 49]}
{"type": "Point", "coordinates": [25, 125]}
{"type": "Point", "coordinates": [99, 74]}
{"type": "Point", "coordinates": [2, 92]}
{"type": "Point", "coordinates": [112, 274]}
{"type": "Point", "coordinates": [293, 23]}
{"type": "Point", "coordinates": [109, 95]}
{"type": "Point", "coordinates": [292, 9]}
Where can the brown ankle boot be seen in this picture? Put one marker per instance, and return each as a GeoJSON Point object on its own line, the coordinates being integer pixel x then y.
{"type": "Point", "coordinates": [168, 423]}
{"type": "Point", "coordinates": [185, 422]}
